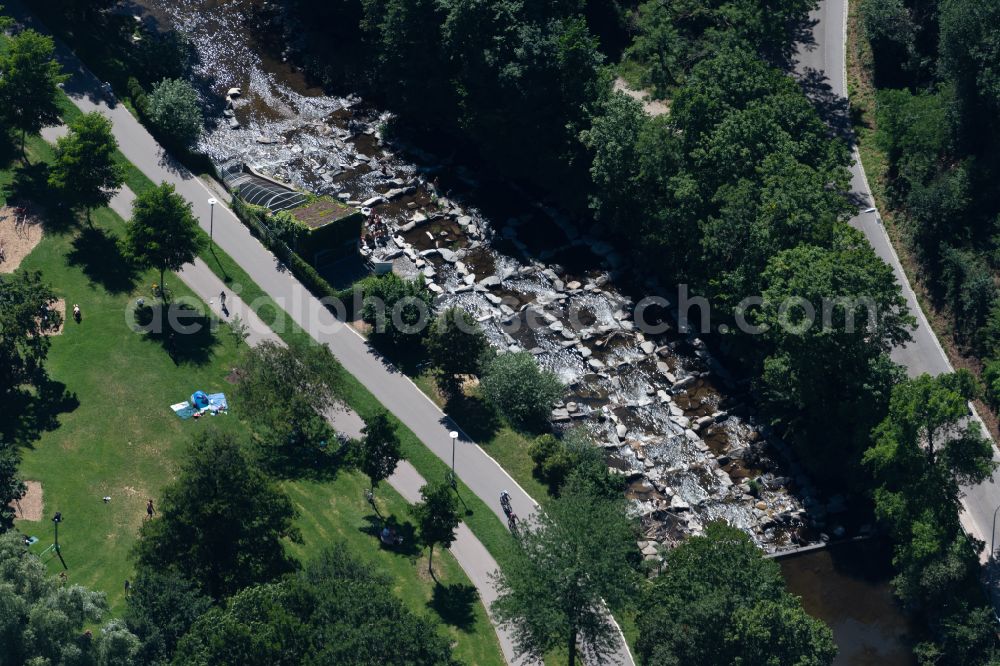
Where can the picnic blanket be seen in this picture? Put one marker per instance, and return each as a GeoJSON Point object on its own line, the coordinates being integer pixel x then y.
{"type": "Point", "coordinates": [217, 404]}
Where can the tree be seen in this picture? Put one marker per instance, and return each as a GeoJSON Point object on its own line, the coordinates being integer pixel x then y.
{"type": "Point", "coordinates": [437, 518]}
{"type": "Point", "coordinates": [397, 309]}
{"type": "Point", "coordinates": [831, 317]}
{"type": "Point", "coordinates": [336, 611]}
{"type": "Point", "coordinates": [573, 454]}
{"type": "Point", "coordinates": [294, 430]}
{"type": "Point", "coordinates": [519, 390]}
{"type": "Point", "coordinates": [456, 345]}
{"type": "Point", "coordinates": [923, 450]}
{"type": "Point", "coordinates": [163, 232]}
{"type": "Point", "coordinates": [161, 608]}
{"type": "Point", "coordinates": [991, 381]}
{"type": "Point", "coordinates": [221, 522]}
{"type": "Point", "coordinates": [378, 453]}
{"type": "Point", "coordinates": [175, 112]}
{"type": "Point", "coordinates": [42, 621]}
{"type": "Point", "coordinates": [719, 601]}
{"type": "Point", "coordinates": [84, 172]}
{"type": "Point", "coordinates": [12, 487]}
{"type": "Point", "coordinates": [614, 142]}
{"type": "Point", "coordinates": [29, 79]}
{"type": "Point", "coordinates": [116, 646]}
{"type": "Point", "coordinates": [553, 592]}
{"type": "Point", "coordinates": [26, 319]}
{"type": "Point", "coordinates": [163, 55]}
{"type": "Point", "coordinates": [658, 47]}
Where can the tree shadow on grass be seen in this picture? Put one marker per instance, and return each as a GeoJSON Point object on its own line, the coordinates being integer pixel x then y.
{"type": "Point", "coordinates": [455, 604]}
{"type": "Point", "coordinates": [408, 548]}
{"type": "Point", "coordinates": [30, 188]}
{"type": "Point", "coordinates": [184, 332]}
{"type": "Point", "coordinates": [27, 414]}
{"type": "Point", "coordinates": [99, 256]}
{"type": "Point", "coordinates": [476, 418]}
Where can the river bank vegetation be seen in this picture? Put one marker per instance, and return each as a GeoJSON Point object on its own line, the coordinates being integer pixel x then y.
{"type": "Point", "coordinates": [740, 190]}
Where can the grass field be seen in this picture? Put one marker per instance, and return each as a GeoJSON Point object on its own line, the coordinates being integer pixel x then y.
{"type": "Point", "coordinates": [117, 437]}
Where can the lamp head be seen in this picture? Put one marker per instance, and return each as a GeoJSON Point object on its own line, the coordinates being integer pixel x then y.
{"type": "Point", "coordinates": [57, 518]}
{"type": "Point", "coordinates": [453, 435]}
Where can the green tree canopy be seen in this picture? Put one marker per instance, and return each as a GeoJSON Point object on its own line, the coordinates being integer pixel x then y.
{"type": "Point", "coordinates": [221, 522]}
{"type": "Point", "coordinates": [29, 79]}
{"type": "Point", "coordinates": [923, 450]}
{"type": "Point", "coordinates": [719, 601]}
{"type": "Point", "coordinates": [42, 621]}
{"type": "Point", "coordinates": [519, 390]}
{"type": "Point", "coordinates": [163, 232]}
{"type": "Point", "coordinates": [456, 345]}
{"type": "Point", "coordinates": [12, 486]}
{"type": "Point", "coordinates": [85, 173]}
{"type": "Point", "coordinates": [830, 313]}
{"type": "Point", "coordinates": [162, 606]}
{"type": "Point", "coordinates": [398, 309]}
{"type": "Point", "coordinates": [175, 112]}
{"type": "Point", "coordinates": [380, 450]}
{"type": "Point", "coordinates": [553, 591]}
{"type": "Point", "coordinates": [291, 431]}
{"type": "Point", "coordinates": [437, 518]}
{"type": "Point", "coordinates": [26, 318]}
{"type": "Point", "coordinates": [336, 611]}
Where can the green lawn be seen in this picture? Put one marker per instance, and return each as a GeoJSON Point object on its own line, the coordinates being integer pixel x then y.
{"type": "Point", "coordinates": [337, 511]}
{"type": "Point", "coordinates": [117, 437]}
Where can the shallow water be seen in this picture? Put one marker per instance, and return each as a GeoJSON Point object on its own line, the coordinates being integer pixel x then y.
{"type": "Point", "coordinates": [547, 273]}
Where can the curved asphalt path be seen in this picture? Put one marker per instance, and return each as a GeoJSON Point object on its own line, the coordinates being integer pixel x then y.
{"type": "Point", "coordinates": [481, 473]}
{"type": "Point", "coordinates": [821, 66]}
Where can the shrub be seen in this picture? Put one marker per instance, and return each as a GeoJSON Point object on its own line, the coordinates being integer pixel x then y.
{"type": "Point", "coordinates": [397, 309]}
{"type": "Point", "coordinates": [456, 345]}
{"type": "Point", "coordinates": [553, 461]}
{"type": "Point", "coordinates": [519, 390]}
{"type": "Point", "coordinates": [175, 112]}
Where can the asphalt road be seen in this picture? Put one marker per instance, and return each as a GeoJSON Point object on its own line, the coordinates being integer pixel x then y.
{"type": "Point", "coordinates": [821, 66]}
{"type": "Point", "coordinates": [480, 473]}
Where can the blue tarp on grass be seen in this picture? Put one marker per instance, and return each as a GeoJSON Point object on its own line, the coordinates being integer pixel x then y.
{"type": "Point", "coordinates": [216, 403]}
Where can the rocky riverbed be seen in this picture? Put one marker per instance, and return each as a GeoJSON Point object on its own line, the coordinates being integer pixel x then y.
{"type": "Point", "coordinates": [669, 417]}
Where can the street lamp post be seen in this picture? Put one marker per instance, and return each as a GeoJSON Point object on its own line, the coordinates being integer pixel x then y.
{"type": "Point", "coordinates": [56, 519]}
{"type": "Point", "coordinates": [211, 217]}
{"type": "Point", "coordinates": [454, 438]}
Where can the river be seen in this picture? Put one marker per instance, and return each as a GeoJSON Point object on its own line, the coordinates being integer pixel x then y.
{"type": "Point", "coordinates": [847, 586]}
{"type": "Point", "coordinates": [668, 415]}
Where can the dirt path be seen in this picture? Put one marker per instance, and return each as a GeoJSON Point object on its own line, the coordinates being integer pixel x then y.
{"type": "Point", "coordinates": [20, 232]}
{"type": "Point", "coordinates": [651, 106]}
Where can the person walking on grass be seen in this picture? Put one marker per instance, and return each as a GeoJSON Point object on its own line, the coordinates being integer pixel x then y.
{"type": "Point", "coordinates": [149, 509]}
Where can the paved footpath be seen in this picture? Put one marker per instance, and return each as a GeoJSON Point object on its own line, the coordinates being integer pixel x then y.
{"type": "Point", "coordinates": [824, 61]}
{"type": "Point", "coordinates": [472, 556]}
{"type": "Point", "coordinates": [396, 392]}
